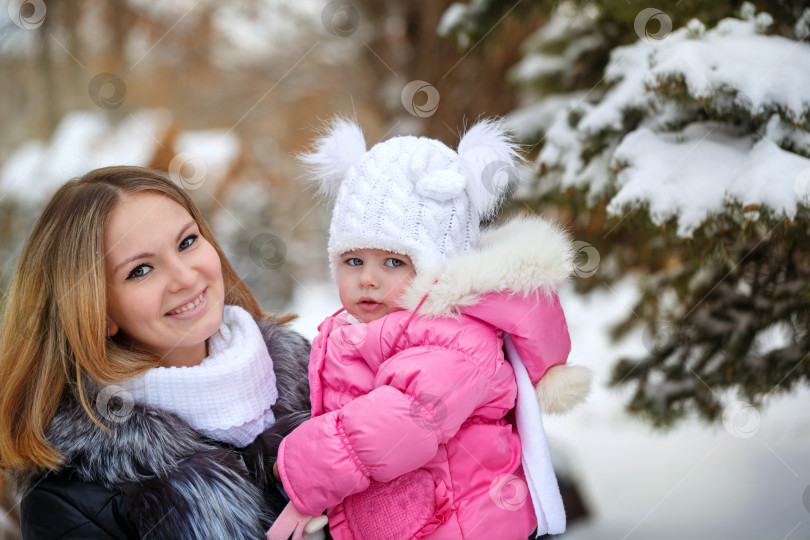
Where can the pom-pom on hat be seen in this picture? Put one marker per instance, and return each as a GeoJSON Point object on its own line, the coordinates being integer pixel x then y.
{"type": "Point", "coordinates": [410, 195]}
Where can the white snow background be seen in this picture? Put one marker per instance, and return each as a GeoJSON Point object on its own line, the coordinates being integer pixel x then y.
{"type": "Point", "coordinates": [696, 481]}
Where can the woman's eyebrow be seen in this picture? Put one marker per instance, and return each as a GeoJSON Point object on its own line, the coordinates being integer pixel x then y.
{"type": "Point", "coordinates": [147, 254]}
{"type": "Point", "coordinates": [143, 255]}
{"type": "Point", "coordinates": [184, 229]}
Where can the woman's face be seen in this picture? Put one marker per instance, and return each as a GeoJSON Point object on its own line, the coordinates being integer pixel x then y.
{"type": "Point", "coordinates": [164, 280]}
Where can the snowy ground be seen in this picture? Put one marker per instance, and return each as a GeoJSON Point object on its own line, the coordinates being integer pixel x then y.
{"type": "Point", "coordinates": [694, 482]}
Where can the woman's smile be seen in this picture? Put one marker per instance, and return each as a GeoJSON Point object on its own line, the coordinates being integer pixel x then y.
{"type": "Point", "coordinates": [165, 288]}
{"type": "Point", "coordinates": [188, 309]}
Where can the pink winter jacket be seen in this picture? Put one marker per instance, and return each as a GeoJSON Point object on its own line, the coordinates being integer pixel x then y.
{"type": "Point", "coordinates": [411, 434]}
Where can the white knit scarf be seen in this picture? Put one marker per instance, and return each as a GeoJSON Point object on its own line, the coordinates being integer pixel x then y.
{"type": "Point", "coordinates": [229, 394]}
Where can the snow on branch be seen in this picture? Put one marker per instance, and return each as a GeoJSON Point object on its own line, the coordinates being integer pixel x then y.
{"type": "Point", "coordinates": [691, 123]}
{"type": "Point", "coordinates": [695, 172]}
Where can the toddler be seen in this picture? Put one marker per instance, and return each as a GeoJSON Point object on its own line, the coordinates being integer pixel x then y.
{"type": "Point", "coordinates": [414, 432]}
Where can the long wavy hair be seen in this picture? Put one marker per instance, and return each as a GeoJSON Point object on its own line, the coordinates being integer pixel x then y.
{"type": "Point", "coordinates": [53, 334]}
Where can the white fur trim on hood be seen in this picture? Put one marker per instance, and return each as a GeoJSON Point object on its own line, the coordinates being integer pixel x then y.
{"type": "Point", "coordinates": [525, 255]}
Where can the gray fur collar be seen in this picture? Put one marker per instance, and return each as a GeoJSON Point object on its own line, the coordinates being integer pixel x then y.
{"type": "Point", "coordinates": [178, 483]}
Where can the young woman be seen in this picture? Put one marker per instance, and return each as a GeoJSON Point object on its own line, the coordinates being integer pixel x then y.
{"type": "Point", "coordinates": [144, 391]}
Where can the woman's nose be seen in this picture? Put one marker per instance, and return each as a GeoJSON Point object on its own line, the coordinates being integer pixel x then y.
{"type": "Point", "coordinates": [182, 275]}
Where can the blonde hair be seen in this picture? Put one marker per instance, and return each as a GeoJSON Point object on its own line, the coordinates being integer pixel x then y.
{"type": "Point", "coordinates": [53, 333]}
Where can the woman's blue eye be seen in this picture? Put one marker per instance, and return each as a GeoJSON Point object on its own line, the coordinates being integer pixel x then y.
{"type": "Point", "coordinates": [354, 261]}
{"type": "Point", "coordinates": [188, 241]}
{"type": "Point", "coordinates": [139, 271]}
{"type": "Point", "coordinates": [394, 262]}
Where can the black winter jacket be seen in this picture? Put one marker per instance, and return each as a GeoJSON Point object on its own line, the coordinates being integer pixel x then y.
{"type": "Point", "coordinates": [153, 476]}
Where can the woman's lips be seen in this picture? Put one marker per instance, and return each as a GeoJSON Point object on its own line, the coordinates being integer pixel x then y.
{"type": "Point", "coordinates": [190, 309]}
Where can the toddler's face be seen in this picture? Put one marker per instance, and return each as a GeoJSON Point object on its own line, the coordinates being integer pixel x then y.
{"type": "Point", "coordinates": [370, 281]}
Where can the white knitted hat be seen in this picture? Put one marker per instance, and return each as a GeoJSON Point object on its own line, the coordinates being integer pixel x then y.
{"type": "Point", "coordinates": [410, 195]}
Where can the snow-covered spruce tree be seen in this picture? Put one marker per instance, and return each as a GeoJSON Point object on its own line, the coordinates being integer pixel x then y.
{"type": "Point", "coordinates": [689, 161]}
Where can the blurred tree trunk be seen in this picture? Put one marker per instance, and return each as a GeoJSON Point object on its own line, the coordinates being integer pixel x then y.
{"type": "Point", "coordinates": [402, 45]}
{"type": "Point", "coordinates": [50, 112]}
{"type": "Point", "coordinates": [116, 18]}
{"type": "Point", "coordinates": [115, 59]}
{"type": "Point", "coordinates": [76, 78]}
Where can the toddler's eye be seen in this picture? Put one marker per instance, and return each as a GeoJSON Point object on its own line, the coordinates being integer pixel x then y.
{"type": "Point", "coordinates": [354, 261]}
{"type": "Point", "coordinates": [188, 241]}
{"type": "Point", "coordinates": [394, 262]}
{"type": "Point", "coordinates": [139, 271]}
